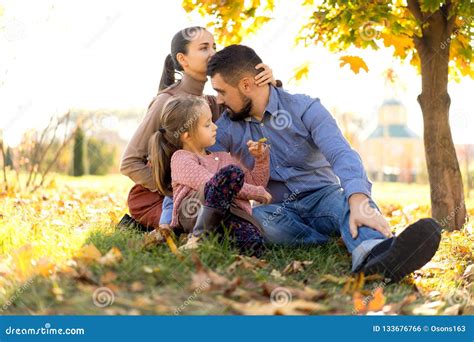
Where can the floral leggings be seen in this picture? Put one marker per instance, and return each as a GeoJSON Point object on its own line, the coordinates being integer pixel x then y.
{"type": "Point", "coordinates": [219, 192]}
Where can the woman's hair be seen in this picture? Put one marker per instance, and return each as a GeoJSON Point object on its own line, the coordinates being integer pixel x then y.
{"type": "Point", "coordinates": [180, 115]}
{"type": "Point", "coordinates": [179, 44]}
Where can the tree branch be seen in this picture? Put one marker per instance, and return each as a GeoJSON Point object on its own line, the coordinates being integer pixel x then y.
{"type": "Point", "coordinates": [414, 7]}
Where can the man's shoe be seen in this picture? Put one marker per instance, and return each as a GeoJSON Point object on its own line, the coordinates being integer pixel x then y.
{"type": "Point", "coordinates": [399, 256]}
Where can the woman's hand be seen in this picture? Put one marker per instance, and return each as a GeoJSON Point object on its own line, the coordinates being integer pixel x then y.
{"type": "Point", "coordinates": [265, 77]}
{"type": "Point", "coordinates": [257, 149]}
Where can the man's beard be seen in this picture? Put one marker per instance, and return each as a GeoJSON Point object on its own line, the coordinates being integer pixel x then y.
{"type": "Point", "coordinates": [244, 112]}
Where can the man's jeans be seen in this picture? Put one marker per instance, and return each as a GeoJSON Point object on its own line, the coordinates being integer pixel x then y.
{"type": "Point", "coordinates": [313, 218]}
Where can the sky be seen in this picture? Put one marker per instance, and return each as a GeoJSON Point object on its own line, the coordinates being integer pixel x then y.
{"type": "Point", "coordinates": [56, 55]}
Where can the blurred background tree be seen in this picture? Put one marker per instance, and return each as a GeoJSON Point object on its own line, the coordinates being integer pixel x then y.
{"type": "Point", "coordinates": [434, 36]}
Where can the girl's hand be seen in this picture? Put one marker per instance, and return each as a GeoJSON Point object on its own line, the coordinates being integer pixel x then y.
{"type": "Point", "coordinates": [265, 77]}
{"type": "Point", "coordinates": [257, 149]}
{"type": "Point", "coordinates": [268, 198]}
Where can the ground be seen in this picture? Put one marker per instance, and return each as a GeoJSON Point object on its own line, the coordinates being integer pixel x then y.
{"type": "Point", "coordinates": [61, 253]}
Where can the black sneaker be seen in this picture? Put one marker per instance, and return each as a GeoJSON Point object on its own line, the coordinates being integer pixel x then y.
{"type": "Point", "coordinates": [128, 222]}
{"type": "Point", "coordinates": [399, 256]}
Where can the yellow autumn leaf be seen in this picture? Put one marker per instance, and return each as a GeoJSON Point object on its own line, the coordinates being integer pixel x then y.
{"type": "Point", "coordinates": [88, 253]}
{"type": "Point", "coordinates": [356, 63]}
{"type": "Point", "coordinates": [301, 71]}
{"type": "Point", "coordinates": [402, 44]}
{"type": "Point", "coordinates": [377, 303]}
{"type": "Point", "coordinates": [359, 304]}
{"type": "Point", "coordinates": [111, 258]}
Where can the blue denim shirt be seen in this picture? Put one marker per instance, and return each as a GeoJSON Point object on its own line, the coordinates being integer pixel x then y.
{"type": "Point", "coordinates": [307, 148]}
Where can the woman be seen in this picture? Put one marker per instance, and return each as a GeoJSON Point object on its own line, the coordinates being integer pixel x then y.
{"type": "Point", "coordinates": [191, 49]}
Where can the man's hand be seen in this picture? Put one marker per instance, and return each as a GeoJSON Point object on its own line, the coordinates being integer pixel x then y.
{"type": "Point", "coordinates": [362, 214]}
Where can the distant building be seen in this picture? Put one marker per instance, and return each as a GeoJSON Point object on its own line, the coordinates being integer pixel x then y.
{"type": "Point", "coordinates": [393, 152]}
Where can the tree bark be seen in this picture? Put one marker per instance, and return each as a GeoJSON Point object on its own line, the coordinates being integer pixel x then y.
{"type": "Point", "coordinates": [447, 196]}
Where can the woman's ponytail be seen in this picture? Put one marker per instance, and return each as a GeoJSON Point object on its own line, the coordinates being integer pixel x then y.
{"type": "Point", "coordinates": [167, 77]}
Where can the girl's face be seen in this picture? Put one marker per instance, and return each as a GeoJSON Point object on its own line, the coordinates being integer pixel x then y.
{"type": "Point", "coordinates": [204, 135]}
{"type": "Point", "coordinates": [200, 50]}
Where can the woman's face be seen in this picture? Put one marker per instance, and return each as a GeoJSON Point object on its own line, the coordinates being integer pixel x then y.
{"type": "Point", "coordinates": [200, 50]}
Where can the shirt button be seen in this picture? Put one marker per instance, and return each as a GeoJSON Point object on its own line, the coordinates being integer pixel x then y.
{"type": "Point", "coordinates": [216, 158]}
{"type": "Point", "coordinates": [262, 124]}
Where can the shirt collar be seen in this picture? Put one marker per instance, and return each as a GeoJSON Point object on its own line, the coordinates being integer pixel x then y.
{"type": "Point", "coordinates": [272, 106]}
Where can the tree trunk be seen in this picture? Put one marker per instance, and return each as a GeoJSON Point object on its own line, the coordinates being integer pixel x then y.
{"type": "Point", "coordinates": [447, 196]}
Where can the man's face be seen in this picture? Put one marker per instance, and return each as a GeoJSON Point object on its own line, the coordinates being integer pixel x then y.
{"type": "Point", "coordinates": [237, 104]}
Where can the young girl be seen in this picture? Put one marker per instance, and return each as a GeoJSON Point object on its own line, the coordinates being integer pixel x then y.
{"type": "Point", "coordinates": [183, 167]}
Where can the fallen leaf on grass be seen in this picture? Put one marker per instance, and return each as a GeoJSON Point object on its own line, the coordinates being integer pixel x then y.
{"type": "Point", "coordinates": [245, 262]}
{"type": "Point", "coordinates": [429, 309]}
{"type": "Point", "coordinates": [296, 266]}
{"type": "Point", "coordinates": [374, 302]}
{"type": "Point", "coordinates": [333, 279]}
{"type": "Point", "coordinates": [296, 307]}
{"type": "Point", "coordinates": [111, 258]}
{"type": "Point", "coordinates": [206, 280]}
{"type": "Point", "coordinates": [137, 286]}
{"type": "Point", "coordinates": [152, 239]}
{"type": "Point", "coordinates": [397, 308]}
{"type": "Point", "coordinates": [88, 254]}
{"type": "Point", "coordinates": [306, 293]}
{"type": "Point", "coordinates": [108, 277]}
{"type": "Point", "coordinates": [277, 275]}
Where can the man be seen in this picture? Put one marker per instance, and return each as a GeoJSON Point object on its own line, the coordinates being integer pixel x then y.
{"type": "Point", "coordinates": [318, 183]}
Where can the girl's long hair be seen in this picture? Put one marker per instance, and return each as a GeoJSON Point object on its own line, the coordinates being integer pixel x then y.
{"type": "Point", "coordinates": [180, 115]}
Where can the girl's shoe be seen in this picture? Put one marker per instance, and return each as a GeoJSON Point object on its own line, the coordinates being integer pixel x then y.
{"type": "Point", "coordinates": [192, 243]}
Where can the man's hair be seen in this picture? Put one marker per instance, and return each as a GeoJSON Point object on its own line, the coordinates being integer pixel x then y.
{"type": "Point", "coordinates": [233, 63]}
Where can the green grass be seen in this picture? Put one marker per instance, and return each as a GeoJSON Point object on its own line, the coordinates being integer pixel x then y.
{"type": "Point", "coordinates": [155, 281]}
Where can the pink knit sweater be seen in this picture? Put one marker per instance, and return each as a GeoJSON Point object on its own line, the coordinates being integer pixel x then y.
{"type": "Point", "coordinates": [190, 171]}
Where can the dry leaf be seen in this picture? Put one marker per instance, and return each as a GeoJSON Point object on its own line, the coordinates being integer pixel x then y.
{"type": "Point", "coordinates": [333, 279]}
{"type": "Point", "coordinates": [306, 293]}
{"type": "Point", "coordinates": [207, 280]}
{"type": "Point", "coordinates": [111, 258]}
{"type": "Point", "coordinates": [153, 238]}
{"type": "Point", "coordinates": [88, 254]}
{"type": "Point", "coordinates": [378, 301]}
{"type": "Point", "coordinates": [296, 266]}
{"type": "Point", "coordinates": [108, 277]}
{"type": "Point", "coordinates": [296, 307]}
{"type": "Point", "coordinates": [137, 286]}
{"type": "Point", "coordinates": [246, 263]}
{"type": "Point", "coordinates": [356, 63]}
